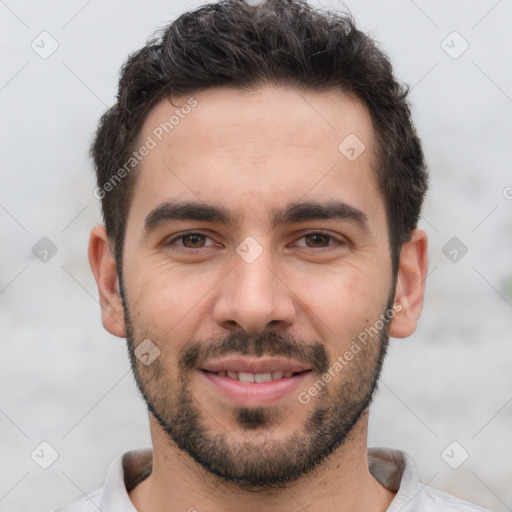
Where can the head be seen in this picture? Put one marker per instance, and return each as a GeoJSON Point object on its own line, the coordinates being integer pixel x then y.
{"type": "Point", "coordinates": [261, 183]}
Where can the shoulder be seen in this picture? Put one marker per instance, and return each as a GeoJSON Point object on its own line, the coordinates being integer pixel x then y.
{"type": "Point", "coordinates": [396, 470]}
{"type": "Point", "coordinates": [430, 499]}
{"type": "Point", "coordinates": [89, 503]}
{"type": "Point", "coordinates": [127, 469]}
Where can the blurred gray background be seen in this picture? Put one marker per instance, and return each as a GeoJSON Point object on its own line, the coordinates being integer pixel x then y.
{"type": "Point", "coordinates": [446, 393]}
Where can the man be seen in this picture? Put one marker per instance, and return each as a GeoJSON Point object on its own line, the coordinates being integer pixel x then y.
{"type": "Point", "coordinates": [261, 183]}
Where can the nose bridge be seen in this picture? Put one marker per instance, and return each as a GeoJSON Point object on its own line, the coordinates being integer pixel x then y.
{"type": "Point", "coordinates": [254, 277]}
{"type": "Point", "coordinates": [252, 296]}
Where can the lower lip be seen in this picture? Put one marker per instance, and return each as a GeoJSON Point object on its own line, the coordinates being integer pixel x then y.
{"type": "Point", "coordinates": [255, 393]}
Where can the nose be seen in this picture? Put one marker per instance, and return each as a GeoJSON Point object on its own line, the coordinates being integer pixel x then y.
{"type": "Point", "coordinates": [254, 296]}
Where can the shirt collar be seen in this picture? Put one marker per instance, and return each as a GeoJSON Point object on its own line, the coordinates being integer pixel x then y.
{"type": "Point", "coordinates": [122, 476]}
{"type": "Point", "coordinates": [394, 469]}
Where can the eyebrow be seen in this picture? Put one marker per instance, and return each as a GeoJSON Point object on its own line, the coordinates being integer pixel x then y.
{"type": "Point", "coordinates": [300, 212]}
{"type": "Point", "coordinates": [291, 213]}
{"type": "Point", "coordinates": [168, 212]}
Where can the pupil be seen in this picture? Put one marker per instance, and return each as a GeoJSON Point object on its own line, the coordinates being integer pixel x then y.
{"type": "Point", "coordinates": [195, 240]}
{"type": "Point", "coordinates": [317, 238]}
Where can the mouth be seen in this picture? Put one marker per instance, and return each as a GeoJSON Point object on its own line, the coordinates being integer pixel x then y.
{"type": "Point", "coordinates": [256, 377]}
{"type": "Point", "coordinates": [254, 381]}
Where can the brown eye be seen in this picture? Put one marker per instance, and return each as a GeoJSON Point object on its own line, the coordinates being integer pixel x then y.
{"type": "Point", "coordinates": [190, 242]}
{"type": "Point", "coordinates": [193, 241]}
{"type": "Point", "coordinates": [317, 240]}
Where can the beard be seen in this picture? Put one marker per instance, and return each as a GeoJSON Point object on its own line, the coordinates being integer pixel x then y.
{"type": "Point", "coordinates": [259, 461]}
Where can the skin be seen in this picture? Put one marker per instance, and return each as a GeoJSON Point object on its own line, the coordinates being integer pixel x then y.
{"type": "Point", "coordinates": [251, 152]}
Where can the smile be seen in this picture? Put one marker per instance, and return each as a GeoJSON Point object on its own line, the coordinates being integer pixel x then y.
{"type": "Point", "coordinates": [246, 389]}
{"type": "Point", "coordinates": [255, 377]}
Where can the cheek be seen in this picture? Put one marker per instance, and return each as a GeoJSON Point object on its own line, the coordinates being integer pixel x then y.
{"type": "Point", "coordinates": [342, 303]}
{"type": "Point", "coordinates": [167, 301]}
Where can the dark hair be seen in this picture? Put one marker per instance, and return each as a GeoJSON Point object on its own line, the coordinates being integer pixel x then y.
{"type": "Point", "coordinates": [280, 42]}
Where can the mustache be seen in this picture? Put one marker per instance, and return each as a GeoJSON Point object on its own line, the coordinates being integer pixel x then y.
{"type": "Point", "coordinates": [197, 353]}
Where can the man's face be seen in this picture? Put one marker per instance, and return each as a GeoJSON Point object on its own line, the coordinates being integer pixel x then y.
{"type": "Point", "coordinates": [262, 286]}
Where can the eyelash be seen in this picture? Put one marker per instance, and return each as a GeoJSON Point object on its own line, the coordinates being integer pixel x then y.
{"type": "Point", "coordinates": [323, 233]}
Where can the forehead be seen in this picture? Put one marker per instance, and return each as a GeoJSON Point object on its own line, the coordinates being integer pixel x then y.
{"type": "Point", "coordinates": [251, 150]}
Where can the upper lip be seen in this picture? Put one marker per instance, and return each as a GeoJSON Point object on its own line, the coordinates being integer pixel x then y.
{"type": "Point", "coordinates": [254, 365]}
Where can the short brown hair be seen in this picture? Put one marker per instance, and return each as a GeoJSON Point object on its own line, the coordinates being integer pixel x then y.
{"type": "Point", "coordinates": [281, 42]}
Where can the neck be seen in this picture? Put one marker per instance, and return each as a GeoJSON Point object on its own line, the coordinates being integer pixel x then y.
{"type": "Point", "coordinates": [342, 482]}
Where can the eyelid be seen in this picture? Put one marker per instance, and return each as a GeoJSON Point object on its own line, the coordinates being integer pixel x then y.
{"type": "Point", "coordinates": [338, 240]}
{"type": "Point", "coordinates": [183, 234]}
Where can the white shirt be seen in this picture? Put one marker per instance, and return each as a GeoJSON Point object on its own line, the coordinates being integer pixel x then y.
{"type": "Point", "coordinates": [394, 469]}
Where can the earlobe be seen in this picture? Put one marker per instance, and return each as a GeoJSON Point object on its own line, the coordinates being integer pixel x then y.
{"type": "Point", "coordinates": [410, 285]}
{"type": "Point", "coordinates": [104, 268]}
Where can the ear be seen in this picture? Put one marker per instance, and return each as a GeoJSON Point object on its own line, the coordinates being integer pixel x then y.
{"type": "Point", "coordinates": [410, 285]}
{"type": "Point", "coordinates": [104, 268]}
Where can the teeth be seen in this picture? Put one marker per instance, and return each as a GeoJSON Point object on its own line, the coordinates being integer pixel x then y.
{"type": "Point", "coordinates": [254, 377]}
{"type": "Point", "coordinates": [262, 377]}
{"type": "Point", "coordinates": [245, 377]}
